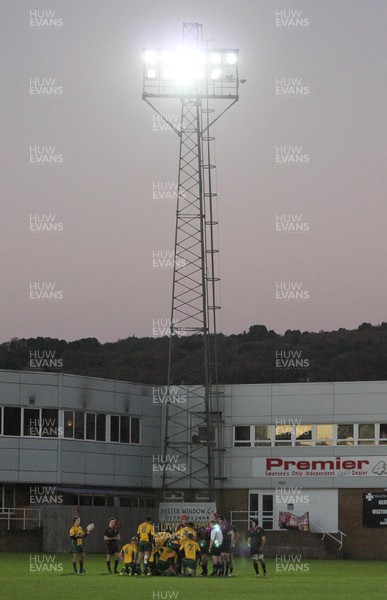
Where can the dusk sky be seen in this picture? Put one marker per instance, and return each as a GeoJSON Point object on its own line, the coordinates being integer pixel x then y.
{"type": "Point", "coordinates": [109, 153]}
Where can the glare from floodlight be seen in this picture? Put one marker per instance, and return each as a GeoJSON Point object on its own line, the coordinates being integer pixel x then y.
{"type": "Point", "coordinates": [168, 73]}
{"type": "Point", "coordinates": [215, 58]}
{"type": "Point", "coordinates": [151, 57]}
{"type": "Point", "coordinates": [167, 57]}
{"type": "Point", "coordinates": [231, 58]}
{"type": "Point", "coordinates": [151, 73]}
{"type": "Point", "coordinates": [215, 74]}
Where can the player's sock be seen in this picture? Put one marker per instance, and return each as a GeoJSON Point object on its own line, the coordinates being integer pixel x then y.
{"type": "Point", "coordinates": [108, 566]}
{"type": "Point", "coordinates": [227, 567]}
{"type": "Point", "coordinates": [205, 569]}
{"type": "Point", "coordinates": [81, 566]}
{"type": "Point", "coordinates": [231, 569]}
{"type": "Point", "coordinates": [75, 566]}
{"type": "Point", "coordinates": [256, 568]}
{"type": "Point", "coordinates": [215, 569]}
{"type": "Point", "coordinates": [220, 568]}
{"type": "Point", "coordinates": [116, 565]}
{"type": "Point", "coordinates": [263, 566]}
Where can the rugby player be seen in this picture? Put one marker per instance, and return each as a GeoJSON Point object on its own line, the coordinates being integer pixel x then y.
{"type": "Point", "coordinates": [215, 548]}
{"type": "Point", "coordinates": [77, 536]}
{"type": "Point", "coordinates": [111, 537]}
{"type": "Point", "coordinates": [129, 555]}
{"type": "Point", "coordinates": [191, 554]}
{"type": "Point", "coordinates": [256, 541]}
{"type": "Point", "coordinates": [228, 538]}
{"type": "Point", "coordinates": [146, 533]}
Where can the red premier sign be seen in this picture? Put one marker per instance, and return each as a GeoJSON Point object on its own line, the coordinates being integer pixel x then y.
{"type": "Point", "coordinates": [321, 466]}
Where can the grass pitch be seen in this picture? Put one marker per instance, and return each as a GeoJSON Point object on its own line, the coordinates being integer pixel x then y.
{"type": "Point", "coordinates": [48, 577]}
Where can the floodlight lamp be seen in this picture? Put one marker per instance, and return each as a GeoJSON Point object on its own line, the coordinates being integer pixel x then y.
{"type": "Point", "coordinates": [167, 58]}
{"type": "Point", "coordinates": [215, 58]}
{"type": "Point", "coordinates": [151, 57]}
{"type": "Point", "coordinates": [231, 58]}
{"type": "Point", "coordinates": [215, 74]}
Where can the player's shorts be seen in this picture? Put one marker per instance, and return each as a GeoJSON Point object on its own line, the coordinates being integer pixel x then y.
{"type": "Point", "coordinates": [204, 546]}
{"type": "Point", "coordinates": [112, 547]}
{"type": "Point", "coordinates": [216, 550]}
{"type": "Point", "coordinates": [189, 564]}
{"type": "Point", "coordinates": [76, 548]}
{"type": "Point", "coordinates": [226, 547]}
{"type": "Point", "coordinates": [165, 564]}
{"type": "Point", "coordinates": [144, 547]}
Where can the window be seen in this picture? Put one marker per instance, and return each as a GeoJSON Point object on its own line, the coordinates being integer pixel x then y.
{"type": "Point", "coordinates": [114, 429]}
{"type": "Point", "coordinates": [31, 422]}
{"type": "Point", "coordinates": [366, 434]}
{"type": "Point", "coordinates": [324, 435]}
{"type": "Point", "coordinates": [68, 424]}
{"type": "Point", "coordinates": [49, 423]}
{"type": "Point", "coordinates": [262, 435]}
{"type": "Point", "coordinates": [345, 435]}
{"type": "Point", "coordinates": [242, 435]}
{"type": "Point", "coordinates": [40, 422]}
{"type": "Point", "coordinates": [101, 428]}
{"type": "Point", "coordinates": [383, 434]}
{"type": "Point", "coordinates": [79, 426]}
{"type": "Point", "coordinates": [12, 420]}
{"type": "Point", "coordinates": [283, 435]}
{"type": "Point", "coordinates": [304, 435]}
{"type": "Point", "coordinates": [90, 426]}
{"type": "Point", "coordinates": [125, 429]}
{"type": "Point", "coordinates": [134, 430]}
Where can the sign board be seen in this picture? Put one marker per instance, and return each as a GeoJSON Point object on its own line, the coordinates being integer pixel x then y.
{"type": "Point", "coordinates": [375, 509]}
{"type": "Point", "coordinates": [197, 512]}
{"type": "Point", "coordinates": [320, 466]}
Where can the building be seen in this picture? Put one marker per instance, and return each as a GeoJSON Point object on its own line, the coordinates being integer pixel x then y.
{"type": "Point", "coordinates": [320, 448]}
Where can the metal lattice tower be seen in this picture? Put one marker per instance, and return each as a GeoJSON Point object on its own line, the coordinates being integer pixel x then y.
{"type": "Point", "coordinates": [192, 428]}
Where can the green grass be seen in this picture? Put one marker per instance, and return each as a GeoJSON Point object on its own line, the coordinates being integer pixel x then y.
{"type": "Point", "coordinates": [325, 580]}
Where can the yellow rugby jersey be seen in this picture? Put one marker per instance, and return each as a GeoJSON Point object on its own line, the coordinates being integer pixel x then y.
{"type": "Point", "coordinates": [184, 531]}
{"type": "Point", "coordinates": [166, 553]}
{"type": "Point", "coordinates": [129, 551]}
{"type": "Point", "coordinates": [144, 531]}
{"type": "Point", "coordinates": [190, 548]}
{"type": "Point", "coordinates": [77, 530]}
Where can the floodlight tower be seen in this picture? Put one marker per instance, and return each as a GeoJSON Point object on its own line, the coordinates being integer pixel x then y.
{"type": "Point", "coordinates": [205, 83]}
